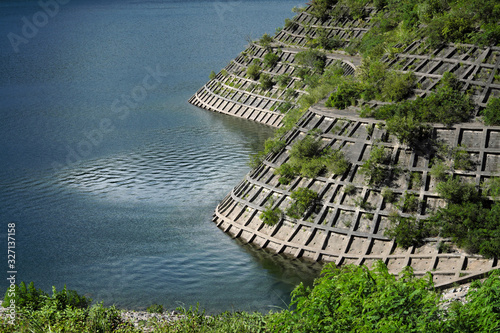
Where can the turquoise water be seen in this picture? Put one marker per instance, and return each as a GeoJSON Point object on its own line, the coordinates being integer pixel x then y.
{"type": "Point", "coordinates": [109, 174]}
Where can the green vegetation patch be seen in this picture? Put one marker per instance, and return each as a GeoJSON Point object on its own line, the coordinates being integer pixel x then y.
{"type": "Point", "coordinates": [303, 198]}
{"type": "Point", "coordinates": [309, 159]}
{"type": "Point", "coordinates": [355, 299]}
{"type": "Point", "coordinates": [346, 299]}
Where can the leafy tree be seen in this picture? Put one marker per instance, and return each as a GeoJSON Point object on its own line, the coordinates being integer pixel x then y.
{"type": "Point", "coordinates": [212, 75]}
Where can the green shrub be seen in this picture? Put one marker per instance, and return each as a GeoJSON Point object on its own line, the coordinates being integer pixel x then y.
{"type": "Point", "coordinates": [409, 202]}
{"type": "Point", "coordinates": [313, 59]}
{"type": "Point", "coordinates": [336, 162]}
{"type": "Point", "coordinates": [311, 167]}
{"type": "Point", "coordinates": [462, 159]}
{"type": "Point", "coordinates": [212, 75]}
{"type": "Point", "coordinates": [415, 180]}
{"type": "Point", "coordinates": [407, 231]}
{"type": "Point", "coordinates": [491, 114]}
{"type": "Point", "coordinates": [193, 320]}
{"type": "Point", "coordinates": [491, 187]}
{"type": "Point", "coordinates": [284, 107]}
{"type": "Point", "coordinates": [349, 189]}
{"type": "Point", "coordinates": [253, 71]}
{"type": "Point", "coordinates": [266, 40]}
{"type": "Point", "coordinates": [408, 130]}
{"type": "Point", "coordinates": [397, 86]}
{"type": "Point", "coordinates": [286, 172]}
{"type": "Point", "coordinates": [328, 43]}
{"type": "Point", "coordinates": [388, 195]}
{"type": "Point", "coordinates": [472, 226]}
{"type": "Point", "coordinates": [373, 168]}
{"type": "Point", "coordinates": [256, 159]}
{"type": "Point", "coordinates": [303, 198]}
{"type": "Point", "coordinates": [447, 105]}
{"type": "Point", "coordinates": [274, 145]}
{"type": "Point", "coordinates": [266, 81]}
{"type": "Point", "coordinates": [290, 24]}
{"type": "Point", "coordinates": [439, 170]}
{"type": "Point", "coordinates": [25, 297]}
{"type": "Point", "coordinates": [283, 80]}
{"type": "Point", "coordinates": [455, 191]}
{"type": "Point", "coordinates": [271, 59]}
{"type": "Point", "coordinates": [308, 147]}
{"type": "Point", "coordinates": [355, 299]}
{"type": "Point", "coordinates": [271, 216]}
{"type": "Point", "coordinates": [320, 8]}
{"type": "Point", "coordinates": [347, 94]}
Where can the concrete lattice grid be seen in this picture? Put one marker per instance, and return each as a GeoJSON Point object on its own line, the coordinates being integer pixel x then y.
{"type": "Point", "coordinates": [339, 229]}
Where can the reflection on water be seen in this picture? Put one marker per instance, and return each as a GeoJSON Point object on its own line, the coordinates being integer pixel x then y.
{"type": "Point", "coordinates": [129, 223]}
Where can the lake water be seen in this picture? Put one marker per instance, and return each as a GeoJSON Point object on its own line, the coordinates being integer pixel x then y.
{"type": "Point", "coordinates": [110, 176]}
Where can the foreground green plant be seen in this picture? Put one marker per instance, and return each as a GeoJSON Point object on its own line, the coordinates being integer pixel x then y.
{"type": "Point", "coordinates": [355, 299]}
{"type": "Point", "coordinates": [64, 311]}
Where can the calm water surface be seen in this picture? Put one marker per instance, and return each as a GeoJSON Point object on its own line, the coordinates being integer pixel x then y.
{"type": "Point", "coordinates": [109, 174]}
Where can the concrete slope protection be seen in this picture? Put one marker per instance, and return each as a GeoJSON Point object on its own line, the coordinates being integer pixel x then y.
{"type": "Point", "coordinates": [347, 223]}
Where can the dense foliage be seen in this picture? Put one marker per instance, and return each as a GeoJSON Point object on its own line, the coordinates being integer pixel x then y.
{"type": "Point", "coordinates": [447, 105]}
{"type": "Point", "coordinates": [355, 299]}
{"type": "Point", "coordinates": [491, 113]}
{"type": "Point", "coordinates": [64, 311]}
{"type": "Point", "coordinates": [346, 299]}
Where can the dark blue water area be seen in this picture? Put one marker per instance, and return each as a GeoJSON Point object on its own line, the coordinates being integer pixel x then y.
{"type": "Point", "coordinates": [110, 176]}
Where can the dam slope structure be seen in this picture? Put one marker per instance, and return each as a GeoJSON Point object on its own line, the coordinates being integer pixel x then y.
{"type": "Point", "coordinates": [348, 222]}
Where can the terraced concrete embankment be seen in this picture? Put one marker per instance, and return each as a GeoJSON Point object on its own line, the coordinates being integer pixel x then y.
{"type": "Point", "coordinates": [350, 218]}
{"type": "Point", "coordinates": [339, 229]}
{"type": "Point", "coordinates": [232, 92]}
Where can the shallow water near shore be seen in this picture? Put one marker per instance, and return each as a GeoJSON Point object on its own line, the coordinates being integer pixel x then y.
{"type": "Point", "coordinates": [110, 176]}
